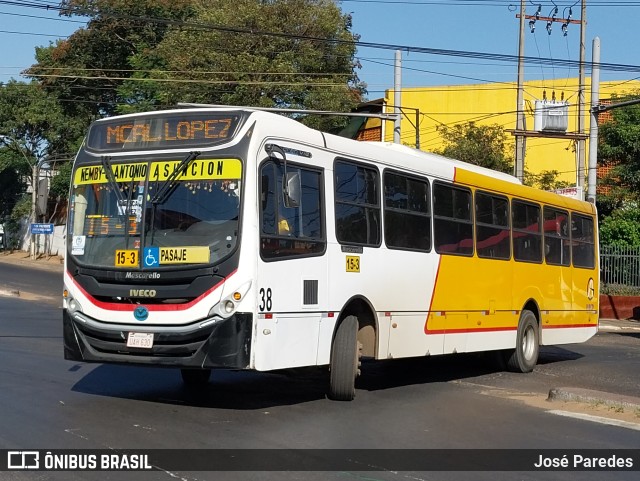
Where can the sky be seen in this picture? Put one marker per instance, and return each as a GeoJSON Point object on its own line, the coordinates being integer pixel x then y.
{"type": "Point", "coordinates": [482, 26]}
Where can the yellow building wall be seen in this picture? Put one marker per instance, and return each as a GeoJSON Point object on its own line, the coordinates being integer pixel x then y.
{"type": "Point", "coordinates": [495, 104]}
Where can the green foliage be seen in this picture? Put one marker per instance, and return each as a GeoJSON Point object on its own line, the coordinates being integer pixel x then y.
{"type": "Point", "coordinates": [33, 129]}
{"type": "Point", "coordinates": [622, 227]}
{"type": "Point", "coordinates": [20, 211]}
{"type": "Point", "coordinates": [619, 290]}
{"type": "Point", "coordinates": [152, 54]}
{"type": "Point", "coordinates": [483, 145]}
{"type": "Point", "coordinates": [12, 170]}
{"type": "Point", "coordinates": [619, 147]}
{"type": "Point", "coordinates": [59, 187]}
{"type": "Point", "coordinates": [545, 180]}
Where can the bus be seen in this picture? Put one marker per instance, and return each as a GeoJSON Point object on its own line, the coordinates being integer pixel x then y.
{"type": "Point", "coordinates": [207, 237]}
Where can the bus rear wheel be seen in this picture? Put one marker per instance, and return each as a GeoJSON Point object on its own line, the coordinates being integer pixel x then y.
{"type": "Point", "coordinates": [195, 377]}
{"type": "Point", "coordinates": [345, 361]}
{"type": "Point", "coordinates": [525, 356]}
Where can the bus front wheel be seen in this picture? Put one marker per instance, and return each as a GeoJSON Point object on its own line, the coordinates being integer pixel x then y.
{"type": "Point", "coordinates": [345, 361]}
{"type": "Point", "coordinates": [525, 356]}
{"type": "Point", "coordinates": [195, 377]}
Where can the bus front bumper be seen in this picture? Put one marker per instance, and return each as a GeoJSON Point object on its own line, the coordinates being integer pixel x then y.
{"type": "Point", "coordinates": [225, 343]}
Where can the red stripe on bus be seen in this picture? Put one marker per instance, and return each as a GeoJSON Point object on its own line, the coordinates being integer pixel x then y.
{"type": "Point", "coordinates": [474, 329]}
{"type": "Point", "coordinates": [113, 306]}
{"type": "Point", "coordinates": [568, 326]}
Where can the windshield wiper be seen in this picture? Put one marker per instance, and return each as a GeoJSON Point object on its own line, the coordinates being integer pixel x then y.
{"type": "Point", "coordinates": [168, 187]}
{"type": "Point", "coordinates": [172, 181]}
{"type": "Point", "coordinates": [106, 165]}
{"type": "Point", "coordinates": [123, 205]}
{"type": "Point", "coordinates": [126, 213]}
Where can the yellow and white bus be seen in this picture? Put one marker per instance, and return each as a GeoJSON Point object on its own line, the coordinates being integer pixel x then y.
{"type": "Point", "coordinates": [205, 238]}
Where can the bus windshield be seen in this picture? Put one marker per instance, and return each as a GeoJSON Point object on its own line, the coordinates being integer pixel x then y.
{"type": "Point", "coordinates": [143, 217]}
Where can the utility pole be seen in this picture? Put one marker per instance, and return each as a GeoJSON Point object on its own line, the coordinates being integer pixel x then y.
{"type": "Point", "coordinates": [593, 126]}
{"type": "Point", "coordinates": [521, 132]}
{"type": "Point", "coordinates": [520, 139]}
{"type": "Point", "coordinates": [580, 144]}
{"type": "Point", "coordinates": [397, 98]}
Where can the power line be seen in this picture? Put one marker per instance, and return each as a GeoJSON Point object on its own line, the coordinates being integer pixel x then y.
{"type": "Point", "coordinates": [359, 43]}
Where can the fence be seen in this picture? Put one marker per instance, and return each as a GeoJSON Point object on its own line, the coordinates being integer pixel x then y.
{"type": "Point", "coordinates": [619, 267]}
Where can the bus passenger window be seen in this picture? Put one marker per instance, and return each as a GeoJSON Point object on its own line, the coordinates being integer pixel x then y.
{"type": "Point", "coordinates": [357, 204]}
{"type": "Point", "coordinates": [452, 222]}
{"type": "Point", "coordinates": [407, 217]}
{"type": "Point", "coordinates": [527, 238]}
{"type": "Point", "coordinates": [492, 226]}
{"type": "Point", "coordinates": [287, 232]}
{"type": "Point", "coordinates": [582, 241]}
{"type": "Point", "coordinates": [556, 237]}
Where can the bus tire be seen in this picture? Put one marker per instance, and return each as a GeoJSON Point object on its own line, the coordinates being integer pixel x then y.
{"type": "Point", "coordinates": [525, 356]}
{"type": "Point", "coordinates": [345, 359]}
{"type": "Point", "coordinates": [195, 377]}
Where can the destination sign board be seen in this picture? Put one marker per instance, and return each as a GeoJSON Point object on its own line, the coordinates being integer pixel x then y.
{"type": "Point", "coordinates": [184, 129]}
{"type": "Point", "coordinates": [201, 169]}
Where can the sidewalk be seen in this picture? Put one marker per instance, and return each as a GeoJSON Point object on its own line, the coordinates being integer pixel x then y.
{"type": "Point", "coordinates": [53, 263]}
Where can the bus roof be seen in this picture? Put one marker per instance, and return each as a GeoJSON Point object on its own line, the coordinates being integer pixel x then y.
{"type": "Point", "coordinates": [392, 155]}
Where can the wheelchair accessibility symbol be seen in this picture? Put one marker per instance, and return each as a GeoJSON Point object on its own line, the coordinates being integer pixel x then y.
{"type": "Point", "coordinates": [151, 256]}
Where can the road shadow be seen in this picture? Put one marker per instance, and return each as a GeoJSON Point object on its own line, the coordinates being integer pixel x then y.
{"type": "Point", "coordinates": [251, 390]}
{"type": "Point", "coordinates": [635, 335]}
{"type": "Point", "coordinates": [227, 389]}
{"type": "Point", "coordinates": [552, 354]}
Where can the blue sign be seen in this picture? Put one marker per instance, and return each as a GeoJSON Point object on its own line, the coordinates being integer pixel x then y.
{"type": "Point", "coordinates": [151, 256]}
{"type": "Point", "coordinates": [42, 228]}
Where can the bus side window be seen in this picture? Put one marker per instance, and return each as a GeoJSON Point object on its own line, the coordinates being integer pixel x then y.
{"type": "Point", "coordinates": [293, 231]}
{"type": "Point", "coordinates": [264, 191]}
{"type": "Point", "coordinates": [406, 212]}
{"type": "Point", "coordinates": [492, 226]}
{"type": "Point", "coordinates": [555, 236]}
{"type": "Point", "coordinates": [452, 219]}
{"type": "Point", "coordinates": [582, 241]}
{"type": "Point", "coordinates": [527, 236]}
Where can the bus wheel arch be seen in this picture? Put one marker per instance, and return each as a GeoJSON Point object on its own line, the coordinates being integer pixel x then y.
{"type": "Point", "coordinates": [524, 357]}
{"type": "Point", "coordinates": [354, 334]}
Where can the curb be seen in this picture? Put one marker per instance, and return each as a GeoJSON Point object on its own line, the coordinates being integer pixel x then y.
{"type": "Point", "coordinates": [595, 397]}
{"type": "Point", "coordinates": [9, 293]}
{"type": "Point", "coordinates": [607, 327]}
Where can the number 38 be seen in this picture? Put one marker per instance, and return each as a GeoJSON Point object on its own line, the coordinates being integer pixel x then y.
{"type": "Point", "coordinates": [265, 299]}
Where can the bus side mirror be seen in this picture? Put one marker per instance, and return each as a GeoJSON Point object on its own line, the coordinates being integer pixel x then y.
{"type": "Point", "coordinates": [292, 189]}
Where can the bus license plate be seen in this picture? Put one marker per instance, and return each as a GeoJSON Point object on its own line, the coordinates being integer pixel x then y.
{"type": "Point", "coordinates": [143, 340]}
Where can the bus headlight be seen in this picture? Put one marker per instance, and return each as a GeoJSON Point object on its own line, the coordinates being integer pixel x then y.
{"type": "Point", "coordinates": [228, 304]}
{"type": "Point", "coordinates": [229, 307]}
{"type": "Point", "coordinates": [73, 305]}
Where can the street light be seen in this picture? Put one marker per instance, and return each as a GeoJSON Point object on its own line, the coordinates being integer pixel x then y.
{"type": "Point", "coordinates": [35, 174]}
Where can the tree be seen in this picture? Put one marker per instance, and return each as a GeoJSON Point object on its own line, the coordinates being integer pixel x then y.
{"type": "Point", "coordinates": [151, 54]}
{"type": "Point", "coordinates": [12, 170]}
{"type": "Point", "coordinates": [622, 227]}
{"type": "Point", "coordinates": [486, 146]}
{"type": "Point", "coordinates": [545, 180]}
{"type": "Point", "coordinates": [483, 145]}
{"type": "Point", "coordinates": [33, 130]}
{"type": "Point", "coordinates": [619, 148]}
{"type": "Point", "coordinates": [618, 203]}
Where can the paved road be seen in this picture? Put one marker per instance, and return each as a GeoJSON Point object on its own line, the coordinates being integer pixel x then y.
{"type": "Point", "coordinates": [453, 402]}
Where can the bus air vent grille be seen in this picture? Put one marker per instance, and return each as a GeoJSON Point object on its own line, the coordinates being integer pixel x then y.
{"type": "Point", "coordinates": [310, 292]}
